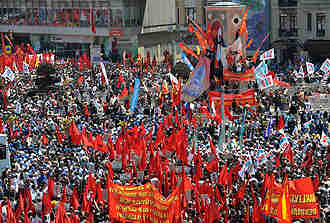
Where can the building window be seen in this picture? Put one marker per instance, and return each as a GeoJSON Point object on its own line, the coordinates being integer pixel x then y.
{"type": "Point", "coordinates": [178, 16]}
{"type": "Point", "coordinates": [287, 3]}
{"type": "Point", "coordinates": [284, 22]}
{"type": "Point", "coordinates": [320, 24]}
{"type": "Point", "coordinates": [288, 25]}
{"type": "Point", "coordinates": [191, 13]}
{"type": "Point", "coordinates": [309, 22]}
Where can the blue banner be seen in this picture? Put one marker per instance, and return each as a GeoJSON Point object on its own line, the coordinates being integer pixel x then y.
{"type": "Point", "coordinates": [135, 95]}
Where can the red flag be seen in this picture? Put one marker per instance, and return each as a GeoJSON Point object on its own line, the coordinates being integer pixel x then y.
{"type": "Point", "coordinates": [10, 214]}
{"type": "Point", "coordinates": [213, 166]}
{"type": "Point", "coordinates": [87, 142]}
{"type": "Point", "coordinates": [241, 191]}
{"type": "Point", "coordinates": [120, 80]}
{"type": "Point", "coordinates": [92, 184]}
{"type": "Point", "coordinates": [44, 139]}
{"type": "Point", "coordinates": [85, 201]}
{"type": "Point", "coordinates": [213, 149]}
{"type": "Point", "coordinates": [26, 219]}
{"type": "Point", "coordinates": [20, 207]}
{"type": "Point", "coordinates": [59, 218]}
{"type": "Point", "coordinates": [28, 198]}
{"type": "Point", "coordinates": [75, 134]}
{"type": "Point", "coordinates": [124, 93]}
{"type": "Point", "coordinates": [213, 212]}
{"type": "Point", "coordinates": [90, 218]}
{"type": "Point", "coordinates": [64, 194]}
{"type": "Point", "coordinates": [50, 188]}
{"type": "Point", "coordinates": [59, 136]}
{"type": "Point", "coordinates": [74, 200]}
{"type": "Point", "coordinates": [99, 193]}
{"type": "Point", "coordinates": [280, 125]}
{"type": "Point", "coordinates": [86, 111]}
{"type": "Point", "coordinates": [247, 215]}
{"type": "Point", "coordinates": [46, 204]}
{"type": "Point", "coordinates": [223, 176]}
{"type": "Point", "coordinates": [92, 21]}
{"type": "Point", "coordinates": [288, 153]}
{"type": "Point", "coordinates": [99, 144]}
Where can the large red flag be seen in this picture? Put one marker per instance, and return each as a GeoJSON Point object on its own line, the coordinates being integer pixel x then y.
{"type": "Point", "coordinates": [75, 134]}
{"type": "Point", "coordinates": [74, 199]}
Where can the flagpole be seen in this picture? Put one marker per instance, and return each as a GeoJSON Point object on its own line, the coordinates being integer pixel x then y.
{"type": "Point", "coordinates": [222, 126]}
{"type": "Point", "coordinates": [242, 128]}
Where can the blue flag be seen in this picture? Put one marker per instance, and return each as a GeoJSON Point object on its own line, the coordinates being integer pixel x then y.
{"type": "Point", "coordinates": [267, 132]}
{"type": "Point", "coordinates": [135, 95]}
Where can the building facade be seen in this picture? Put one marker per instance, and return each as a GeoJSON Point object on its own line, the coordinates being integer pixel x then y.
{"type": "Point", "coordinates": [300, 28]}
{"type": "Point", "coordinates": [64, 26]}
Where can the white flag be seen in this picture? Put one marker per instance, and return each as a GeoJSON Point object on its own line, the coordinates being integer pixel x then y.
{"type": "Point", "coordinates": [324, 139]}
{"type": "Point", "coordinates": [326, 66]}
{"type": "Point", "coordinates": [104, 73]}
{"type": "Point", "coordinates": [310, 68]}
{"type": "Point", "coordinates": [301, 70]}
{"type": "Point", "coordinates": [268, 55]}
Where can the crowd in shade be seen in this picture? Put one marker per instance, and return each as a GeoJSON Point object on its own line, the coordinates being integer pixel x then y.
{"type": "Point", "coordinates": [68, 141]}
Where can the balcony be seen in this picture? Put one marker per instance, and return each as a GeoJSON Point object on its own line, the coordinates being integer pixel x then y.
{"type": "Point", "coordinates": [288, 32]}
{"type": "Point", "coordinates": [320, 33]}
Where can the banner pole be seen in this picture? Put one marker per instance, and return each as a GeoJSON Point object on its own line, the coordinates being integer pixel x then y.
{"type": "Point", "coordinates": [242, 128]}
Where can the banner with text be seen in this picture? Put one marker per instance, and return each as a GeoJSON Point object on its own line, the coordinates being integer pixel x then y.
{"type": "Point", "coordinates": [141, 203]}
{"type": "Point", "coordinates": [302, 199]}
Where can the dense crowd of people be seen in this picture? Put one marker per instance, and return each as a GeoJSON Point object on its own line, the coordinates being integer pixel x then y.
{"type": "Point", "coordinates": [43, 150]}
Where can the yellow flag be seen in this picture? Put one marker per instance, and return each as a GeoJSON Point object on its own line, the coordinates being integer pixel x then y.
{"type": "Point", "coordinates": [198, 50]}
{"type": "Point", "coordinates": [37, 62]}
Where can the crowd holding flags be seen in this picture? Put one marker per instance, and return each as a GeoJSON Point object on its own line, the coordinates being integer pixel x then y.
{"type": "Point", "coordinates": [121, 130]}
